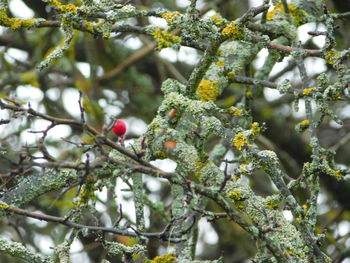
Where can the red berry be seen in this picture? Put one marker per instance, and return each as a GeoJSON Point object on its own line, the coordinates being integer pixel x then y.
{"type": "Point", "coordinates": [119, 127]}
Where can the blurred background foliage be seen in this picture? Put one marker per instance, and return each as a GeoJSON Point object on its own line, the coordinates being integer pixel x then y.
{"type": "Point", "coordinates": [122, 77]}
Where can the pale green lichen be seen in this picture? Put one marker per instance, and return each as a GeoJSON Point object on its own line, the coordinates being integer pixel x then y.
{"type": "Point", "coordinates": [36, 185]}
{"type": "Point", "coordinates": [186, 156]}
{"type": "Point", "coordinates": [308, 91]}
{"type": "Point", "coordinates": [171, 85]}
{"type": "Point", "coordinates": [267, 215]}
{"type": "Point", "coordinates": [256, 129]}
{"type": "Point", "coordinates": [17, 250]}
{"type": "Point", "coordinates": [116, 248]}
{"type": "Point", "coordinates": [285, 86]}
{"type": "Point", "coordinates": [59, 50]}
{"type": "Point", "coordinates": [240, 140]}
{"type": "Point", "coordinates": [209, 174]}
{"type": "Point", "coordinates": [235, 111]}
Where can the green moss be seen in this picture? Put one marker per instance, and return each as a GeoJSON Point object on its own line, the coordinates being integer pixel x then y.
{"type": "Point", "coordinates": [235, 112]}
{"type": "Point", "coordinates": [234, 195]}
{"type": "Point", "coordinates": [337, 174]}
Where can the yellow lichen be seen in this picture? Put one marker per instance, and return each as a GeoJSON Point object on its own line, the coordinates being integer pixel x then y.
{"type": "Point", "coordinates": [231, 74]}
{"type": "Point", "coordinates": [15, 23]}
{"type": "Point", "coordinates": [337, 174]}
{"type": "Point", "coordinates": [239, 141]}
{"type": "Point", "coordinates": [272, 204]}
{"type": "Point", "coordinates": [298, 14]}
{"type": "Point", "coordinates": [305, 123]}
{"type": "Point", "coordinates": [308, 91]}
{"type": "Point", "coordinates": [236, 197]}
{"type": "Point", "coordinates": [4, 206]}
{"type": "Point", "coordinates": [236, 112]}
{"type": "Point", "coordinates": [168, 258]}
{"type": "Point", "coordinates": [218, 20]}
{"type": "Point", "coordinates": [169, 17]}
{"type": "Point", "coordinates": [208, 90]}
{"type": "Point", "coordinates": [232, 31]}
{"type": "Point", "coordinates": [331, 56]}
{"type": "Point", "coordinates": [255, 128]}
{"type": "Point", "coordinates": [69, 8]}
{"type": "Point", "coordinates": [220, 63]}
{"type": "Point", "coordinates": [249, 94]}
{"type": "Point", "coordinates": [165, 39]}
{"type": "Point", "coordinates": [302, 126]}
